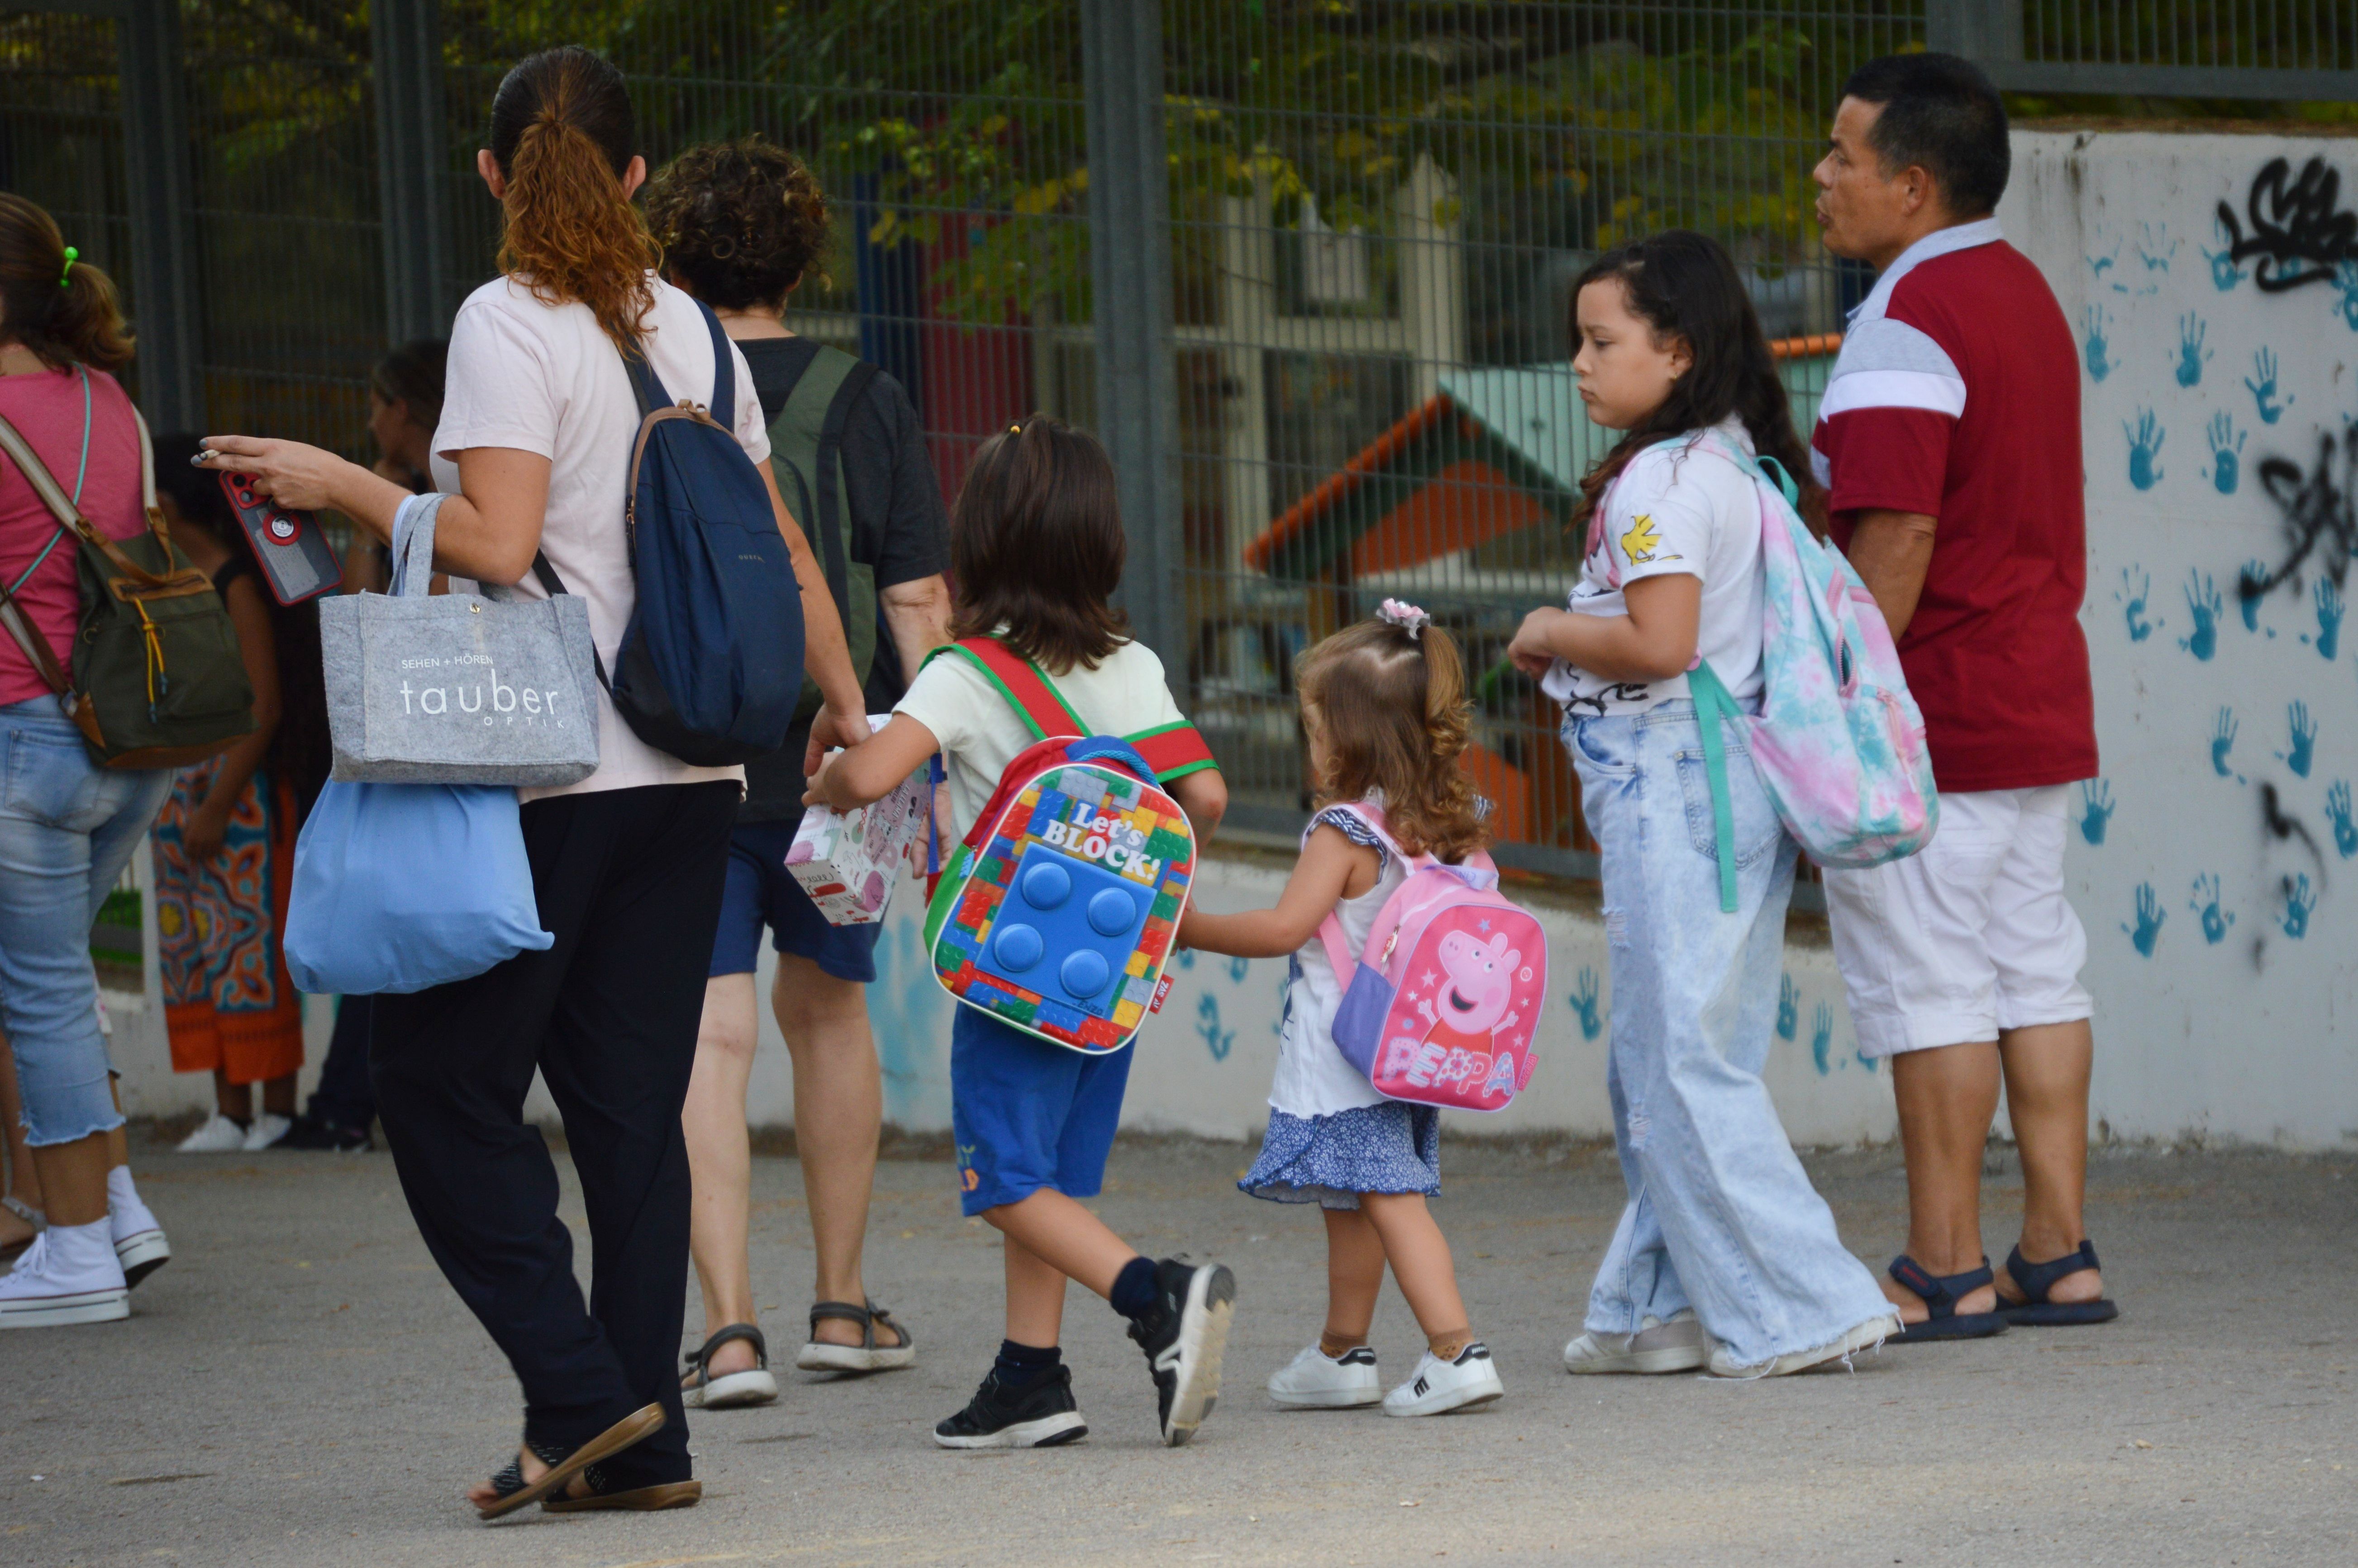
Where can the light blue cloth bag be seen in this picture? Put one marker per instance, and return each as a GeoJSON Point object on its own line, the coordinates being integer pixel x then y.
{"type": "Point", "coordinates": [398, 887]}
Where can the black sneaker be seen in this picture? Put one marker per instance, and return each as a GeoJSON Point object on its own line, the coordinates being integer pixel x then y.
{"type": "Point", "coordinates": [1038, 1414]}
{"type": "Point", "coordinates": [310, 1133]}
{"type": "Point", "coordinates": [1184, 1338]}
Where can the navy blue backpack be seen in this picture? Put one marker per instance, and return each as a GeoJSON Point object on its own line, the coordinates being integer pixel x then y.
{"type": "Point", "coordinates": [711, 662]}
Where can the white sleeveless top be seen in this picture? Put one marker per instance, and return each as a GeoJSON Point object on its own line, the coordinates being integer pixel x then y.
{"type": "Point", "coordinates": [1312, 1077]}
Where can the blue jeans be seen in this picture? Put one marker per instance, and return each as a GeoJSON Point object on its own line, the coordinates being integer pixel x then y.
{"type": "Point", "coordinates": [1721, 1216]}
{"type": "Point", "coordinates": [67, 828]}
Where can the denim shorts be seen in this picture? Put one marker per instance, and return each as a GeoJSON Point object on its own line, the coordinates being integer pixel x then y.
{"type": "Point", "coordinates": [67, 829]}
{"type": "Point", "coordinates": [762, 892]}
{"type": "Point", "coordinates": [1028, 1114]}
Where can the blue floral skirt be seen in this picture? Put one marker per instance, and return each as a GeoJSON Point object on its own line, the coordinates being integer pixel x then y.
{"type": "Point", "coordinates": [1331, 1160]}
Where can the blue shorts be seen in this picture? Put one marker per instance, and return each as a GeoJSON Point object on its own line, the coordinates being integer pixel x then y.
{"type": "Point", "coordinates": [760, 892]}
{"type": "Point", "coordinates": [1028, 1114]}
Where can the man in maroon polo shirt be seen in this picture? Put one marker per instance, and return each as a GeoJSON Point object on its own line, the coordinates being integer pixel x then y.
{"type": "Point", "coordinates": [1949, 437]}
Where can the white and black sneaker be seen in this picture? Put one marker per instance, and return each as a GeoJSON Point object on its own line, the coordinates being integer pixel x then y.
{"type": "Point", "coordinates": [1037, 1414]}
{"type": "Point", "coordinates": [1441, 1386]}
{"type": "Point", "coordinates": [1315, 1380]}
{"type": "Point", "coordinates": [1184, 1338]}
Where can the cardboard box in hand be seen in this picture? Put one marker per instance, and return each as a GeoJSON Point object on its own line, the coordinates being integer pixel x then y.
{"type": "Point", "coordinates": [848, 860]}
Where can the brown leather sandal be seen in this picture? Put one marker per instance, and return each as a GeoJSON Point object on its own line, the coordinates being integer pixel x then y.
{"type": "Point", "coordinates": [512, 1491]}
{"type": "Point", "coordinates": [635, 1499]}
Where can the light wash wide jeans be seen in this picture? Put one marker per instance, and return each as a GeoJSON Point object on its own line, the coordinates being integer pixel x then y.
{"type": "Point", "coordinates": [67, 828]}
{"type": "Point", "coordinates": [1721, 1216]}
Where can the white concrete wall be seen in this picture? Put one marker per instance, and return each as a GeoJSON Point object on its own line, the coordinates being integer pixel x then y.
{"type": "Point", "coordinates": [2215, 882]}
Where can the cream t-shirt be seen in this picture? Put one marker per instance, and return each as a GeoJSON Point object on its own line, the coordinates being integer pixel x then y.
{"type": "Point", "coordinates": [981, 732]}
{"type": "Point", "coordinates": [545, 378]}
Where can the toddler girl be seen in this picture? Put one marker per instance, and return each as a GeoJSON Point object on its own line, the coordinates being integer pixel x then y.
{"type": "Point", "coordinates": [1383, 704]}
{"type": "Point", "coordinates": [1722, 1223]}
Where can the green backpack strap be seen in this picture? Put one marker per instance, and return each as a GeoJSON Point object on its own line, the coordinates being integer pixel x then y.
{"type": "Point", "coordinates": [1172, 751]}
{"type": "Point", "coordinates": [807, 437]}
{"type": "Point", "coordinates": [1713, 704]}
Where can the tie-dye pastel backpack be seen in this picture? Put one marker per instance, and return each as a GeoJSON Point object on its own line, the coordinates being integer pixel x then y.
{"type": "Point", "coordinates": [1056, 914]}
{"type": "Point", "coordinates": [1838, 741]}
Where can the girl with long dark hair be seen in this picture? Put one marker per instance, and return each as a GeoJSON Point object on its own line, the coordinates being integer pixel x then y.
{"type": "Point", "coordinates": [534, 450]}
{"type": "Point", "coordinates": [1725, 1256]}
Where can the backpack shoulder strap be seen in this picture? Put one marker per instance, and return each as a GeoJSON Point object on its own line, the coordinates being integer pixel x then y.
{"type": "Point", "coordinates": [1173, 750]}
{"type": "Point", "coordinates": [1022, 683]}
{"type": "Point", "coordinates": [723, 407]}
{"type": "Point", "coordinates": [824, 392]}
{"type": "Point", "coordinates": [29, 637]}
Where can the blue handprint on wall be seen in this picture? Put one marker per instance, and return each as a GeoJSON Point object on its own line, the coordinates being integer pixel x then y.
{"type": "Point", "coordinates": [2328, 599]}
{"type": "Point", "coordinates": [2304, 738]}
{"type": "Point", "coordinates": [2098, 351]}
{"type": "Point", "coordinates": [2136, 587]}
{"type": "Point", "coordinates": [2226, 453]}
{"type": "Point", "coordinates": [2298, 902]}
{"type": "Point", "coordinates": [2224, 273]}
{"type": "Point", "coordinates": [2154, 247]}
{"type": "Point", "coordinates": [2191, 331]}
{"type": "Point", "coordinates": [1789, 1008]}
{"type": "Point", "coordinates": [2345, 279]}
{"type": "Point", "coordinates": [2202, 602]}
{"type": "Point", "coordinates": [2251, 586]}
{"type": "Point", "coordinates": [1584, 1000]}
{"type": "Point", "coordinates": [1822, 1038]}
{"type": "Point", "coordinates": [1216, 1040]}
{"type": "Point", "coordinates": [1186, 958]}
{"type": "Point", "coordinates": [1238, 968]}
{"type": "Point", "coordinates": [2206, 907]}
{"type": "Point", "coordinates": [2337, 812]}
{"type": "Point", "coordinates": [2145, 448]}
{"type": "Point", "coordinates": [2264, 390]}
{"type": "Point", "coordinates": [2149, 916]}
{"type": "Point", "coordinates": [2223, 740]}
{"type": "Point", "coordinates": [2095, 809]}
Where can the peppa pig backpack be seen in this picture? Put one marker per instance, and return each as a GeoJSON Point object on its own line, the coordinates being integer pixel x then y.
{"type": "Point", "coordinates": [1442, 1008]}
{"type": "Point", "coordinates": [1838, 741]}
{"type": "Point", "coordinates": [1057, 912]}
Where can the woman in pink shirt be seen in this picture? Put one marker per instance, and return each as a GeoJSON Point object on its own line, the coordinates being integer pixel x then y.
{"type": "Point", "coordinates": [67, 826]}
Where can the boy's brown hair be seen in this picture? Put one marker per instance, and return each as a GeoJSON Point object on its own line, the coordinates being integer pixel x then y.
{"type": "Point", "coordinates": [1036, 547]}
{"type": "Point", "coordinates": [1393, 708]}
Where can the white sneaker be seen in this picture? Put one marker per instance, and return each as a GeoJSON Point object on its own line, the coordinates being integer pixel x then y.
{"type": "Point", "coordinates": [139, 1244]}
{"type": "Point", "coordinates": [1315, 1380]}
{"type": "Point", "coordinates": [1874, 1331]}
{"type": "Point", "coordinates": [1439, 1386]}
{"type": "Point", "coordinates": [68, 1275]}
{"type": "Point", "coordinates": [267, 1129]}
{"type": "Point", "coordinates": [1657, 1347]}
{"type": "Point", "coordinates": [218, 1136]}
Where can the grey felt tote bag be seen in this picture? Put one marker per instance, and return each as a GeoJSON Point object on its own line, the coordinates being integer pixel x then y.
{"type": "Point", "coordinates": [491, 688]}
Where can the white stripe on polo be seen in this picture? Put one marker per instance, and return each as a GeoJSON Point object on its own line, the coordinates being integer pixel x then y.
{"type": "Point", "coordinates": [1894, 389]}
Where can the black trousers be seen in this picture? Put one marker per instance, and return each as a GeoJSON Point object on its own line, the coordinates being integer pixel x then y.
{"type": "Point", "coordinates": [629, 882]}
{"type": "Point", "coordinates": [344, 1095]}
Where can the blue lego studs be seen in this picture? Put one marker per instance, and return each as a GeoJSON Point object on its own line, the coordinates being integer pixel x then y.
{"type": "Point", "coordinates": [1084, 974]}
{"type": "Point", "coordinates": [1017, 947]}
{"type": "Point", "coordinates": [1045, 885]}
{"type": "Point", "coordinates": [1113, 911]}
{"type": "Point", "coordinates": [1068, 931]}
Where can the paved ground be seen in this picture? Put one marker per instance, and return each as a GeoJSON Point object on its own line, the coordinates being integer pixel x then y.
{"type": "Point", "coordinates": [300, 1388]}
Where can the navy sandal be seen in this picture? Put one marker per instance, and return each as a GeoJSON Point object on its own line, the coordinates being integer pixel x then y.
{"type": "Point", "coordinates": [1940, 1295]}
{"type": "Point", "coordinates": [2035, 1279]}
{"type": "Point", "coordinates": [604, 1495]}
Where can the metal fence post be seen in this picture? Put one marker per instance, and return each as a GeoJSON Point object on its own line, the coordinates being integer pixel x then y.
{"type": "Point", "coordinates": [1129, 275]}
{"type": "Point", "coordinates": [411, 153]}
{"type": "Point", "coordinates": [162, 190]}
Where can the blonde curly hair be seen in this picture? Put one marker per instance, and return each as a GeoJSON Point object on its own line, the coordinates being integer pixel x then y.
{"type": "Point", "coordinates": [1392, 706]}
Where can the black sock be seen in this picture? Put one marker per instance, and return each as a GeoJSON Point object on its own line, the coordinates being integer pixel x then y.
{"type": "Point", "coordinates": [1137, 1289]}
{"type": "Point", "coordinates": [1023, 1365]}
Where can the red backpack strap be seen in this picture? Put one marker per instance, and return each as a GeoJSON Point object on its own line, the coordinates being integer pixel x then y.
{"type": "Point", "coordinates": [1173, 750]}
{"type": "Point", "coordinates": [1021, 683]}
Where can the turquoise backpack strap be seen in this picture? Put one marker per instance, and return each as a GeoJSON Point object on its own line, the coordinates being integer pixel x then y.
{"type": "Point", "coordinates": [1713, 704]}
{"type": "Point", "coordinates": [1783, 480]}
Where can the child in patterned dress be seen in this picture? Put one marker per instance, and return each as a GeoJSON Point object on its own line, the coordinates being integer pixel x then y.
{"type": "Point", "coordinates": [1383, 704]}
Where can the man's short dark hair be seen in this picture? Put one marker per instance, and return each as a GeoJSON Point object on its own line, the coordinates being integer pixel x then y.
{"type": "Point", "coordinates": [1943, 115]}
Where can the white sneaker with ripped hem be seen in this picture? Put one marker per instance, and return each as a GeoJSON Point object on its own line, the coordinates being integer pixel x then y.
{"type": "Point", "coordinates": [219, 1135]}
{"type": "Point", "coordinates": [1873, 1331]}
{"type": "Point", "coordinates": [1315, 1380]}
{"type": "Point", "coordinates": [1677, 1346]}
{"type": "Point", "coordinates": [68, 1275]}
{"type": "Point", "coordinates": [1438, 1386]}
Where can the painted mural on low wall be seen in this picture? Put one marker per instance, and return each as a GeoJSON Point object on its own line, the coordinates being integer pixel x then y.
{"type": "Point", "coordinates": [2213, 283]}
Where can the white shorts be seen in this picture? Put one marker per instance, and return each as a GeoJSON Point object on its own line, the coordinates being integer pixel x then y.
{"type": "Point", "coordinates": [1968, 937]}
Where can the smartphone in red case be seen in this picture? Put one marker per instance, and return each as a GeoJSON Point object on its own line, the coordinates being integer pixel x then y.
{"type": "Point", "coordinates": [296, 559]}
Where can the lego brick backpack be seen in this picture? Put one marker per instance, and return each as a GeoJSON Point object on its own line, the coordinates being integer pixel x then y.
{"type": "Point", "coordinates": [1443, 1007]}
{"type": "Point", "coordinates": [1057, 912]}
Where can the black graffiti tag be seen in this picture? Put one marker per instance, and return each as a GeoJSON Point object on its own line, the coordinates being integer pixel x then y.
{"type": "Point", "coordinates": [2296, 232]}
{"type": "Point", "coordinates": [2320, 508]}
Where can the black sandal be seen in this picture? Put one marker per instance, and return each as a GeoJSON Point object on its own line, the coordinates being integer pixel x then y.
{"type": "Point", "coordinates": [511, 1491]}
{"type": "Point", "coordinates": [865, 1356]}
{"type": "Point", "coordinates": [633, 1499]}
{"type": "Point", "coordinates": [2035, 1279]}
{"type": "Point", "coordinates": [755, 1386]}
{"type": "Point", "coordinates": [1941, 1293]}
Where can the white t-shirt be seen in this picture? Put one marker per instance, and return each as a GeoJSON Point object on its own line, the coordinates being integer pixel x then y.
{"type": "Point", "coordinates": [1313, 1077]}
{"type": "Point", "coordinates": [1678, 507]}
{"type": "Point", "coordinates": [546, 378]}
{"type": "Point", "coordinates": [981, 732]}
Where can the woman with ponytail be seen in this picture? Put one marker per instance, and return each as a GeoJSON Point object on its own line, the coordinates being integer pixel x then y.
{"type": "Point", "coordinates": [67, 826]}
{"type": "Point", "coordinates": [1725, 1256]}
{"type": "Point", "coordinates": [534, 451]}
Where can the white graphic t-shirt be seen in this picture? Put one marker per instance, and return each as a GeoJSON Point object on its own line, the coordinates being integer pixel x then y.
{"type": "Point", "coordinates": [1678, 507]}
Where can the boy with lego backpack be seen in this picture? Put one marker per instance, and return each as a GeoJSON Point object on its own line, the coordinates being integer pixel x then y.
{"type": "Point", "coordinates": [1725, 1257]}
{"type": "Point", "coordinates": [1036, 551]}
